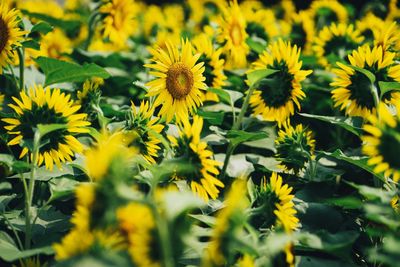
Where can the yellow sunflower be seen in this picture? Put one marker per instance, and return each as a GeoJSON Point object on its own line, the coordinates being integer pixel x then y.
{"type": "Point", "coordinates": [370, 26]}
{"type": "Point", "coordinates": [261, 23]}
{"type": "Point", "coordinates": [10, 34]}
{"type": "Point", "coordinates": [232, 34]}
{"type": "Point", "coordinates": [179, 81]}
{"type": "Point", "coordinates": [381, 143]}
{"type": "Point", "coordinates": [389, 37]}
{"type": "Point", "coordinates": [48, 7]}
{"type": "Point", "coordinates": [302, 31]}
{"type": "Point", "coordinates": [202, 178]}
{"type": "Point", "coordinates": [1, 101]}
{"type": "Point", "coordinates": [335, 42]}
{"type": "Point", "coordinates": [203, 11]}
{"type": "Point", "coordinates": [353, 89]}
{"type": "Point", "coordinates": [213, 65]}
{"type": "Point", "coordinates": [295, 147]}
{"type": "Point", "coordinates": [47, 106]}
{"type": "Point", "coordinates": [276, 96]}
{"type": "Point", "coordinates": [246, 261]}
{"type": "Point", "coordinates": [148, 129]}
{"type": "Point", "coordinates": [119, 20]}
{"type": "Point", "coordinates": [136, 220]}
{"type": "Point", "coordinates": [325, 12]}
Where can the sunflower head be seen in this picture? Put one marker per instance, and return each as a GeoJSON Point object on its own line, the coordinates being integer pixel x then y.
{"type": "Point", "coordinates": [47, 106]}
{"type": "Point", "coordinates": [89, 96]}
{"type": "Point", "coordinates": [335, 42]}
{"type": "Point", "coordinates": [202, 176]}
{"type": "Point", "coordinates": [273, 205]}
{"type": "Point", "coordinates": [10, 34]}
{"type": "Point", "coordinates": [179, 81]}
{"type": "Point", "coordinates": [295, 147]}
{"type": "Point", "coordinates": [382, 143]}
{"type": "Point", "coordinates": [354, 91]}
{"type": "Point", "coordinates": [302, 31]}
{"type": "Point", "coordinates": [370, 27]}
{"type": "Point", "coordinates": [147, 128]}
{"type": "Point", "coordinates": [326, 12]}
{"type": "Point", "coordinates": [1, 101]}
{"type": "Point", "coordinates": [389, 37]}
{"type": "Point", "coordinates": [277, 95]}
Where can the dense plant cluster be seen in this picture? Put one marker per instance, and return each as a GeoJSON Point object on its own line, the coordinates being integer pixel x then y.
{"type": "Point", "coordinates": [199, 133]}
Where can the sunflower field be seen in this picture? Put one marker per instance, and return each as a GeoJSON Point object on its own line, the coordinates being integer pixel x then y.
{"type": "Point", "coordinates": [209, 133]}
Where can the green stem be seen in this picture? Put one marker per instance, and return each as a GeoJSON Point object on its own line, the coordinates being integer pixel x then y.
{"type": "Point", "coordinates": [14, 231]}
{"type": "Point", "coordinates": [31, 188]}
{"type": "Point", "coordinates": [21, 57]}
{"type": "Point", "coordinates": [165, 244]}
{"type": "Point", "coordinates": [375, 95]}
{"type": "Point", "coordinates": [229, 152]}
{"type": "Point", "coordinates": [92, 25]}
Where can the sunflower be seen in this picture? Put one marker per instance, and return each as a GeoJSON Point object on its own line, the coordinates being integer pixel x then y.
{"type": "Point", "coordinates": [295, 147]}
{"type": "Point", "coordinates": [213, 65]}
{"type": "Point", "coordinates": [232, 34]}
{"type": "Point", "coordinates": [136, 220]}
{"type": "Point", "coordinates": [326, 12]}
{"type": "Point", "coordinates": [10, 34]}
{"type": "Point", "coordinates": [353, 89]}
{"type": "Point", "coordinates": [370, 26]}
{"type": "Point", "coordinates": [119, 20]}
{"type": "Point", "coordinates": [261, 23]}
{"type": "Point", "coordinates": [381, 142]}
{"type": "Point", "coordinates": [276, 96]}
{"type": "Point", "coordinates": [1, 101]}
{"type": "Point", "coordinates": [204, 11]}
{"type": "Point", "coordinates": [228, 221]}
{"type": "Point", "coordinates": [389, 37]}
{"type": "Point", "coordinates": [148, 129]}
{"type": "Point", "coordinates": [48, 7]}
{"type": "Point", "coordinates": [302, 31]}
{"type": "Point", "coordinates": [202, 178]}
{"type": "Point", "coordinates": [179, 81]}
{"type": "Point", "coordinates": [47, 106]}
{"type": "Point", "coordinates": [246, 261]}
{"type": "Point", "coordinates": [335, 42]}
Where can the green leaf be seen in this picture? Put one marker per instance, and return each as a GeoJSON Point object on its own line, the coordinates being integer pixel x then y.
{"type": "Point", "coordinates": [239, 136]}
{"type": "Point", "coordinates": [359, 161]}
{"type": "Point", "coordinates": [215, 118]}
{"type": "Point", "coordinates": [45, 129]}
{"type": "Point", "coordinates": [62, 188]}
{"type": "Point", "coordinates": [257, 75]}
{"type": "Point", "coordinates": [42, 27]}
{"type": "Point", "coordinates": [67, 25]}
{"type": "Point", "coordinates": [58, 71]}
{"type": "Point", "coordinates": [367, 73]}
{"type": "Point", "coordinates": [222, 94]}
{"type": "Point", "coordinates": [177, 203]}
{"type": "Point", "coordinates": [31, 44]}
{"type": "Point", "coordinates": [386, 87]}
{"type": "Point", "coordinates": [257, 47]}
{"type": "Point", "coordinates": [351, 124]}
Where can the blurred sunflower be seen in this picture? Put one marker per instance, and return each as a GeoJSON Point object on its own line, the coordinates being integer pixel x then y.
{"type": "Point", "coordinates": [148, 129]}
{"type": "Point", "coordinates": [202, 178]}
{"type": "Point", "coordinates": [10, 34]}
{"type": "Point", "coordinates": [232, 34]}
{"type": "Point", "coordinates": [118, 22]}
{"type": "Point", "coordinates": [48, 7]}
{"type": "Point", "coordinates": [302, 31]}
{"type": "Point", "coordinates": [89, 90]}
{"type": "Point", "coordinates": [228, 220]}
{"type": "Point", "coordinates": [47, 106]}
{"type": "Point", "coordinates": [389, 37]}
{"type": "Point", "coordinates": [1, 101]}
{"type": "Point", "coordinates": [246, 261]}
{"type": "Point", "coordinates": [138, 223]}
{"type": "Point", "coordinates": [335, 42]}
{"type": "Point", "coordinates": [276, 96]}
{"type": "Point", "coordinates": [326, 12]}
{"type": "Point", "coordinates": [213, 65]}
{"type": "Point", "coordinates": [370, 26]}
{"type": "Point", "coordinates": [261, 23]}
{"type": "Point", "coordinates": [179, 81]}
{"type": "Point", "coordinates": [202, 12]}
{"type": "Point", "coordinates": [382, 142]}
{"type": "Point", "coordinates": [353, 89]}
{"type": "Point", "coordinates": [295, 147]}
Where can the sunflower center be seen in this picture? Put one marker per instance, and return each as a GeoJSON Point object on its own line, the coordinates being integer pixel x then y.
{"type": "Point", "coordinates": [4, 34]}
{"type": "Point", "coordinates": [263, 208]}
{"type": "Point", "coordinates": [291, 152]}
{"type": "Point", "coordinates": [360, 90]}
{"type": "Point", "coordinates": [298, 35]}
{"type": "Point", "coordinates": [236, 34]}
{"type": "Point", "coordinates": [276, 90]}
{"type": "Point", "coordinates": [179, 80]}
{"type": "Point", "coordinates": [389, 148]}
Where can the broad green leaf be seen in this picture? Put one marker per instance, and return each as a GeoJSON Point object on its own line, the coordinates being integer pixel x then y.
{"type": "Point", "coordinates": [255, 76]}
{"type": "Point", "coordinates": [359, 161]}
{"type": "Point", "coordinates": [62, 188]}
{"type": "Point", "coordinates": [386, 87]}
{"type": "Point", "coordinates": [177, 203]}
{"type": "Point", "coordinates": [222, 95]}
{"type": "Point", "coordinates": [351, 124]}
{"type": "Point", "coordinates": [239, 136]}
{"type": "Point", "coordinates": [367, 73]}
{"type": "Point", "coordinates": [45, 129]}
{"type": "Point", "coordinates": [215, 118]}
{"type": "Point", "coordinates": [58, 71]}
{"type": "Point", "coordinates": [42, 27]}
{"type": "Point", "coordinates": [31, 44]}
{"type": "Point", "coordinates": [257, 47]}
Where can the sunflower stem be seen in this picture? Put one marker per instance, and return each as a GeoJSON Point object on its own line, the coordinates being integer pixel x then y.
{"type": "Point", "coordinates": [21, 57]}
{"type": "Point", "coordinates": [92, 25]}
{"type": "Point", "coordinates": [164, 238]}
{"type": "Point", "coordinates": [31, 188]}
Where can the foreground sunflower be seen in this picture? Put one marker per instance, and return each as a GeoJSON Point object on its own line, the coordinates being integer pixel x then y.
{"type": "Point", "coordinates": [148, 130]}
{"type": "Point", "coordinates": [335, 42]}
{"type": "Point", "coordinates": [382, 143]}
{"type": "Point", "coordinates": [10, 34]}
{"type": "Point", "coordinates": [232, 33]}
{"type": "Point", "coordinates": [294, 148]}
{"type": "Point", "coordinates": [213, 65]}
{"type": "Point", "coordinates": [47, 106]}
{"type": "Point", "coordinates": [202, 178]}
{"type": "Point", "coordinates": [179, 81]}
{"type": "Point", "coordinates": [118, 22]}
{"type": "Point", "coordinates": [276, 96]}
{"type": "Point", "coordinates": [353, 89]}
